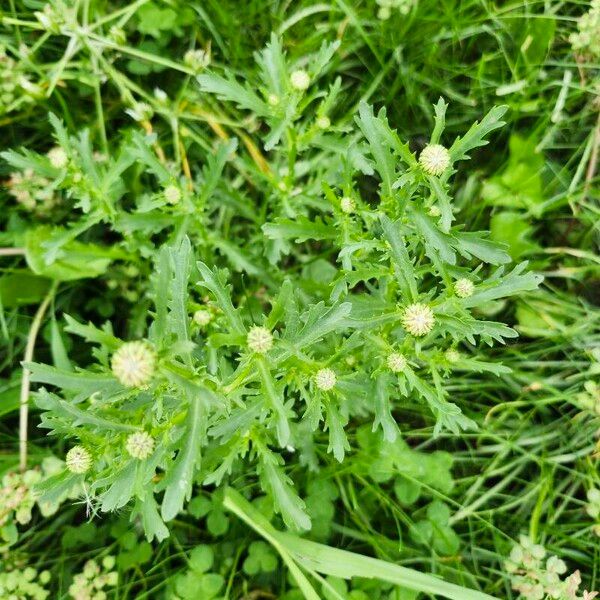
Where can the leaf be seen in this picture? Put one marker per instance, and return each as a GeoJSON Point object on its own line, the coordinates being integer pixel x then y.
{"type": "Point", "coordinates": [281, 490]}
{"type": "Point", "coordinates": [276, 402]}
{"type": "Point", "coordinates": [177, 318]}
{"type": "Point", "coordinates": [179, 479]}
{"type": "Point", "coordinates": [338, 442]}
{"type": "Point", "coordinates": [21, 288]}
{"type": "Point", "coordinates": [471, 244]}
{"type": "Point", "coordinates": [383, 412]}
{"type": "Point", "coordinates": [227, 88]}
{"type": "Point", "coordinates": [299, 230]}
{"type": "Point", "coordinates": [79, 381]}
{"type": "Point", "coordinates": [154, 526]}
{"type": "Point", "coordinates": [75, 260]}
{"type": "Point", "coordinates": [215, 280]}
{"type": "Point", "coordinates": [500, 286]}
{"type": "Point", "coordinates": [444, 203]}
{"type": "Point", "coordinates": [377, 132]}
{"type": "Point", "coordinates": [514, 231]}
{"type": "Point", "coordinates": [474, 138]}
{"type": "Point", "coordinates": [315, 557]}
{"type": "Point", "coordinates": [403, 266]}
{"type": "Point", "coordinates": [437, 244]}
{"type": "Point", "coordinates": [121, 489]}
{"type": "Point", "coordinates": [211, 173]}
{"type": "Point", "coordinates": [90, 333]}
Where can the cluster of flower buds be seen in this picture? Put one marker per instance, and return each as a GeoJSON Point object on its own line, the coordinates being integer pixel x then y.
{"type": "Point", "coordinates": [92, 582]}
{"type": "Point", "coordinates": [537, 577]}
{"type": "Point", "coordinates": [25, 584]}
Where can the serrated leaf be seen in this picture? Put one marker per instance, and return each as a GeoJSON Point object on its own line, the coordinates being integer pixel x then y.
{"type": "Point", "coordinates": [474, 138]}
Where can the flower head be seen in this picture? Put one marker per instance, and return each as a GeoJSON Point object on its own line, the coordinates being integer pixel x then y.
{"type": "Point", "coordinates": [323, 122]}
{"type": "Point", "coordinates": [273, 99]}
{"type": "Point", "coordinates": [347, 205]}
{"type": "Point", "coordinates": [202, 317]}
{"type": "Point", "coordinates": [464, 287]}
{"type": "Point", "coordinates": [396, 362]}
{"type": "Point", "coordinates": [78, 460]}
{"type": "Point", "coordinates": [418, 319]}
{"type": "Point", "coordinates": [133, 364]}
{"type": "Point", "coordinates": [58, 157]}
{"type": "Point", "coordinates": [140, 445]}
{"type": "Point", "coordinates": [452, 355]}
{"type": "Point", "coordinates": [259, 339]}
{"type": "Point", "coordinates": [300, 80]}
{"type": "Point", "coordinates": [325, 379]}
{"type": "Point", "coordinates": [434, 159]}
{"type": "Point", "coordinates": [172, 194]}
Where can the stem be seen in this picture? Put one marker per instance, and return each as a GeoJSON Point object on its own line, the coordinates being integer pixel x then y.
{"type": "Point", "coordinates": [12, 251]}
{"type": "Point", "coordinates": [24, 397]}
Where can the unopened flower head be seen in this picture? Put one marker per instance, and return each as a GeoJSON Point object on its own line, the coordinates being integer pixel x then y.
{"type": "Point", "coordinates": [452, 355]}
{"type": "Point", "coordinates": [347, 205]}
{"type": "Point", "coordinates": [464, 287]}
{"type": "Point", "coordinates": [58, 157]}
{"type": "Point", "coordinates": [259, 339]}
{"type": "Point", "coordinates": [396, 362]}
{"type": "Point", "coordinates": [140, 111]}
{"type": "Point", "coordinates": [140, 445]}
{"type": "Point", "coordinates": [172, 194]}
{"type": "Point", "coordinates": [134, 363]}
{"type": "Point", "coordinates": [197, 59]}
{"type": "Point", "coordinates": [418, 319]}
{"type": "Point", "coordinates": [273, 99]}
{"type": "Point", "coordinates": [325, 379]}
{"type": "Point", "coordinates": [323, 122]}
{"type": "Point", "coordinates": [78, 460]}
{"type": "Point", "coordinates": [434, 211]}
{"type": "Point", "coordinates": [300, 80]}
{"type": "Point", "coordinates": [434, 159]}
{"type": "Point", "coordinates": [202, 317]}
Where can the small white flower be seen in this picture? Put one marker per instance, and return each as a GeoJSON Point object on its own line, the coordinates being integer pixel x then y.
{"type": "Point", "coordinates": [396, 362]}
{"type": "Point", "coordinates": [464, 287]}
{"type": "Point", "coordinates": [196, 59]}
{"type": "Point", "coordinates": [452, 356]}
{"type": "Point", "coordinates": [202, 317]}
{"type": "Point", "coordinates": [259, 339]}
{"type": "Point", "coordinates": [323, 122]}
{"type": "Point", "coordinates": [434, 159]}
{"type": "Point", "coordinates": [325, 379]}
{"type": "Point", "coordinates": [347, 205]}
{"type": "Point", "coordinates": [78, 460]}
{"type": "Point", "coordinates": [172, 194]}
{"type": "Point", "coordinates": [418, 319]}
{"type": "Point", "coordinates": [140, 111]}
{"type": "Point", "coordinates": [133, 364]}
{"type": "Point", "coordinates": [58, 157]}
{"type": "Point", "coordinates": [140, 445]}
{"type": "Point", "coordinates": [300, 80]}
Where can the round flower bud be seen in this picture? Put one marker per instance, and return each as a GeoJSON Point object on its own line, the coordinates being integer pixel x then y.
{"type": "Point", "coordinates": [464, 287]}
{"type": "Point", "coordinates": [347, 205]}
{"type": "Point", "coordinates": [325, 379]}
{"type": "Point", "coordinates": [396, 362]}
{"type": "Point", "coordinates": [202, 317]}
{"type": "Point", "coordinates": [259, 339]}
{"type": "Point", "coordinates": [300, 80]}
{"type": "Point", "coordinates": [133, 364]}
{"type": "Point", "coordinates": [172, 194]}
{"type": "Point", "coordinates": [140, 445]}
{"type": "Point", "coordinates": [273, 99]}
{"type": "Point", "coordinates": [323, 122]}
{"type": "Point", "coordinates": [58, 158]}
{"type": "Point", "coordinates": [78, 460]}
{"type": "Point", "coordinates": [418, 319]}
{"type": "Point", "coordinates": [452, 355]}
{"type": "Point", "coordinates": [434, 159]}
{"type": "Point", "coordinates": [434, 211]}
